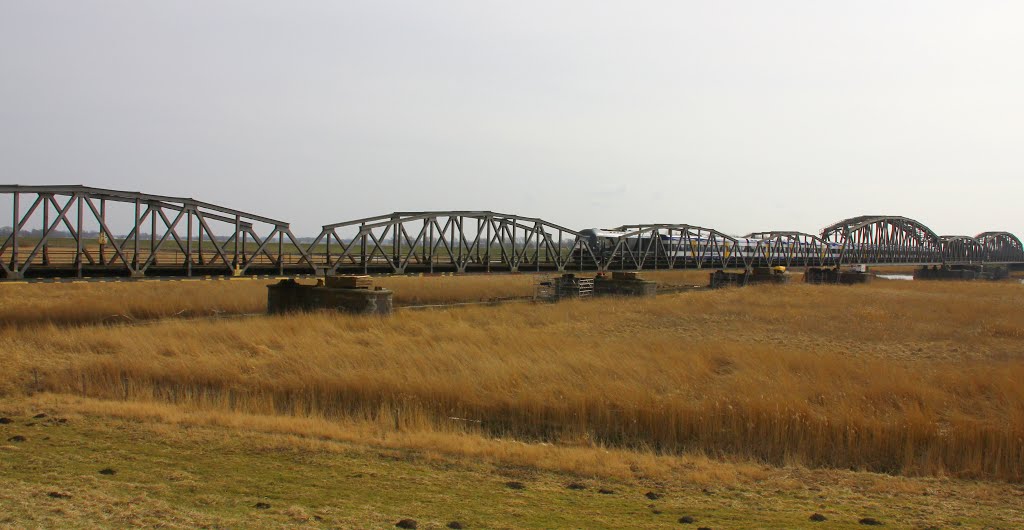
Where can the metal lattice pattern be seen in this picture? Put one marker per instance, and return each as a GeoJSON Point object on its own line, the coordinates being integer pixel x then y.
{"type": "Point", "coordinates": [185, 236]}
{"type": "Point", "coordinates": [469, 241]}
{"type": "Point", "coordinates": [66, 231]}
{"type": "Point", "coordinates": [873, 239]}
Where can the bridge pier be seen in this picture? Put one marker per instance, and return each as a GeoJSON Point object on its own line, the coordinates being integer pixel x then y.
{"type": "Point", "coordinates": [349, 294]}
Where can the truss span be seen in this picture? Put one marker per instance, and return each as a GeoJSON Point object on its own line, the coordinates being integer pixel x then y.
{"type": "Point", "coordinates": [69, 231]}
{"type": "Point", "coordinates": [1000, 247]}
{"type": "Point", "coordinates": [888, 239]}
{"type": "Point", "coordinates": [169, 236]}
{"type": "Point", "coordinates": [456, 241]}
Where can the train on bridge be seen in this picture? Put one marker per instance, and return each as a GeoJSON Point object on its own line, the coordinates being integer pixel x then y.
{"type": "Point", "coordinates": [67, 232]}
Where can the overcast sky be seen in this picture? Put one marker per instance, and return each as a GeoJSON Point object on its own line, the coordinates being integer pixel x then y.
{"type": "Point", "coordinates": [736, 115]}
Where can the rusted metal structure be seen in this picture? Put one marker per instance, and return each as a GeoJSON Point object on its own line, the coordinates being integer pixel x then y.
{"type": "Point", "coordinates": [65, 232]}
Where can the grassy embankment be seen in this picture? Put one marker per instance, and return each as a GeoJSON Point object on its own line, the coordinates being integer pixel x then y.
{"type": "Point", "coordinates": [173, 468]}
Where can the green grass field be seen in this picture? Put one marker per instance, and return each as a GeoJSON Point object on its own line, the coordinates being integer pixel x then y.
{"type": "Point", "coordinates": [190, 472]}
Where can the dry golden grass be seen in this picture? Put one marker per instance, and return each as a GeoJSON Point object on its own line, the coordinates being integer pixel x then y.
{"type": "Point", "coordinates": [111, 302]}
{"type": "Point", "coordinates": [895, 376]}
{"type": "Point", "coordinates": [95, 302]}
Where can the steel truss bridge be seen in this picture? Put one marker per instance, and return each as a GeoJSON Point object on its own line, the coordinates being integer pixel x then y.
{"type": "Point", "coordinates": [65, 232]}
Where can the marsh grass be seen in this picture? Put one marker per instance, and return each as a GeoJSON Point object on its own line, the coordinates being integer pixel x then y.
{"type": "Point", "coordinates": [119, 302]}
{"type": "Point", "coordinates": [892, 377]}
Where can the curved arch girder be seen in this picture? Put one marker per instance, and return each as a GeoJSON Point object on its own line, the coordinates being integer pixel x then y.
{"type": "Point", "coordinates": [872, 239]}
{"type": "Point", "coordinates": [1001, 246]}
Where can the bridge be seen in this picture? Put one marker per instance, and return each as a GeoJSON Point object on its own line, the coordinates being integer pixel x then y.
{"type": "Point", "coordinates": [65, 232]}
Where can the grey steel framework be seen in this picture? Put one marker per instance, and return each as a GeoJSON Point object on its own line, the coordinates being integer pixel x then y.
{"type": "Point", "coordinates": [462, 241]}
{"type": "Point", "coordinates": [874, 239]}
{"type": "Point", "coordinates": [668, 246]}
{"type": "Point", "coordinates": [182, 237]}
{"type": "Point", "coordinates": [65, 231]}
{"type": "Point", "coordinates": [793, 249]}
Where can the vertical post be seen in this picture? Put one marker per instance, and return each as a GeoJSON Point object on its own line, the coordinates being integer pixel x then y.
{"type": "Point", "coordinates": [103, 222]}
{"type": "Point", "coordinates": [514, 264]}
{"type": "Point", "coordinates": [536, 256]}
{"type": "Point", "coordinates": [234, 260]}
{"type": "Point", "coordinates": [327, 250]}
{"type": "Point", "coordinates": [199, 239]}
{"type": "Point", "coordinates": [487, 251]}
{"type": "Point", "coordinates": [188, 245]}
{"type": "Point", "coordinates": [430, 256]}
{"type": "Point", "coordinates": [362, 249]}
{"type": "Point", "coordinates": [46, 223]}
{"type": "Point", "coordinates": [462, 234]}
{"type": "Point", "coordinates": [14, 235]}
{"type": "Point", "coordinates": [560, 265]}
{"type": "Point", "coordinates": [138, 228]}
{"type": "Point", "coordinates": [280, 250]}
{"type": "Point", "coordinates": [152, 238]}
{"type": "Point", "coordinates": [396, 245]}
{"type": "Point", "coordinates": [245, 241]}
{"type": "Point", "coordinates": [78, 240]}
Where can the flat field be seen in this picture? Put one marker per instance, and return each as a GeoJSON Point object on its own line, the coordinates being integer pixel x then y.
{"type": "Point", "coordinates": [898, 401]}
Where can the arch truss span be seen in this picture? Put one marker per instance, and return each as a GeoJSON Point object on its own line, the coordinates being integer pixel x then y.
{"type": "Point", "coordinates": [1001, 247]}
{"type": "Point", "coordinates": [77, 231]}
{"type": "Point", "coordinates": [665, 246]}
{"type": "Point", "coordinates": [450, 241]}
{"type": "Point", "coordinates": [876, 239]}
{"type": "Point", "coordinates": [961, 249]}
{"type": "Point", "coordinates": [792, 249]}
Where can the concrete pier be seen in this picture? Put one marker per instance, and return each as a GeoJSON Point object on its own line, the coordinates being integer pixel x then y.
{"type": "Point", "coordinates": [624, 284]}
{"type": "Point", "coordinates": [818, 275]}
{"type": "Point", "coordinates": [749, 277]}
{"type": "Point", "coordinates": [290, 295]}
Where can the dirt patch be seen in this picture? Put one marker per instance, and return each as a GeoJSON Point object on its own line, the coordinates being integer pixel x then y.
{"type": "Point", "coordinates": [576, 486]}
{"type": "Point", "coordinates": [515, 485]}
{"type": "Point", "coordinates": [5, 421]}
{"type": "Point", "coordinates": [817, 517]}
{"type": "Point", "coordinates": [653, 496]}
{"type": "Point", "coordinates": [605, 491]}
{"type": "Point", "coordinates": [406, 523]}
{"type": "Point", "coordinates": [686, 519]}
{"type": "Point", "coordinates": [262, 506]}
{"type": "Point", "coordinates": [455, 525]}
{"type": "Point", "coordinates": [108, 471]}
{"type": "Point", "coordinates": [17, 438]}
{"type": "Point", "coordinates": [58, 495]}
{"type": "Point", "coordinates": [870, 521]}
{"type": "Point", "coordinates": [39, 416]}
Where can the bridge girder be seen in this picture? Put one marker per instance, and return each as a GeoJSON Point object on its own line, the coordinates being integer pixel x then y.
{"type": "Point", "coordinates": [453, 241]}
{"type": "Point", "coordinates": [889, 239]}
{"type": "Point", "coordinates": [188, 237]}
{"type": "Point", "coordinates": [198, 247]}
{"type": "Point", "coordinates": [1001, 246]}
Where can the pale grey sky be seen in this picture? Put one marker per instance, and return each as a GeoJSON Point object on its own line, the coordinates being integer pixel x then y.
{"type": "Point", "coordinates": [736, 115]}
